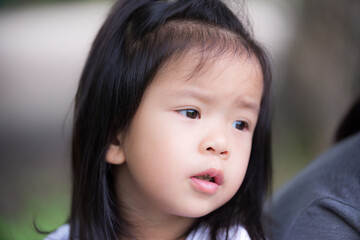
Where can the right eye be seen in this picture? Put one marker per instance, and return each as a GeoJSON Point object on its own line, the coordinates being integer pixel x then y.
{"type": "Point", "coordinates": [190, 113]}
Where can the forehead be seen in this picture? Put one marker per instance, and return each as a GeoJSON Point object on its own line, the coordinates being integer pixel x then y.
{"type": "Point", "coordinates": [226, 71]}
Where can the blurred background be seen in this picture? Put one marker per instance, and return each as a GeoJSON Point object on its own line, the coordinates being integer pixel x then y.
{"type": "Point", "coordinates": [315, 51]}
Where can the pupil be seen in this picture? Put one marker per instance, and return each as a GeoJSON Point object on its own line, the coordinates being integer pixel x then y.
{"type": "Point", "coordinates": [240, 125]}
{"type": "Point", "coordinates": [191, 114]}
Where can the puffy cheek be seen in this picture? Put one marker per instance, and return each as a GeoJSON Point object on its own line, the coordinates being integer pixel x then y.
{"type": "Point", "coordinates": [237, 169]}
{"type": "Point", "coordinates": [238, 176]}
{"type": "Point", "coordinates": [154, 158]}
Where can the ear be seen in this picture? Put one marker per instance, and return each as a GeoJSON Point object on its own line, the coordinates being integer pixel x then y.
{"type": "Point", "coordinates": [115, 152]}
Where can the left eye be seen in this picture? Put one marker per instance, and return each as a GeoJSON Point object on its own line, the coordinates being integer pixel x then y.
{"type": "Point", "coordinates": [190, 113]}
{"type": "Point", "coordinates": [240, 125]}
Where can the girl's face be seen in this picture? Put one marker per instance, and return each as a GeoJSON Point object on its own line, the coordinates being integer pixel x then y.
{"type": "Point", "coordinates": [187, 149]}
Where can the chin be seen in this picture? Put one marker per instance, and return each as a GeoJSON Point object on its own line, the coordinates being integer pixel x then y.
{"type": "Point", "coordinates": [197, 211]}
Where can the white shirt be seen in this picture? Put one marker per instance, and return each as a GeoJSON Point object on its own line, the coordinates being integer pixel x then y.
{"type": "Point", "coordinates": [62, 233]}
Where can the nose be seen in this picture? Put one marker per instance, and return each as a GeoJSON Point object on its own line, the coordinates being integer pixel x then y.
{"type": "Point", "coordinates": [216, 143]}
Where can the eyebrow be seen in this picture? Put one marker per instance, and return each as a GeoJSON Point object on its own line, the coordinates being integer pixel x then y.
{"type": "Point", "coordinates": [247, 103]}
{"type": "Point", "coordinates": [194, 93]}
{"type": "Point", "coordinates": [205, 96]}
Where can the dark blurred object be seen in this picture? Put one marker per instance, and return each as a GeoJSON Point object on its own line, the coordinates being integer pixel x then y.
{"type": "Point", "coordinates": [317, 81]}
{"type": "Point", "coordinates": [321, 81]}
{"type": "Point", "coordinates": [322, 202]}
{"type": "Point", "coordinates": [350, 124]}
{"type": "Point", "coordinates": [322, 73]}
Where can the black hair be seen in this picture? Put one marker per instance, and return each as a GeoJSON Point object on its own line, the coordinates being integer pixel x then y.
{"type": "Point", "coordinates": [350, 122]}
{"type": "Point", "coordinates": [137, 38]}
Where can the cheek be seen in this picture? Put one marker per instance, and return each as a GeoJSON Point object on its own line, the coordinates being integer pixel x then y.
{"type": "Point", "coordinates": [155, 149]}
{"type": "Point", "coordinates": [237, 173]}
{"type": "Point", "coordinates": [162, 136]}
{"type": "Point", "coordinates": [238, 167]}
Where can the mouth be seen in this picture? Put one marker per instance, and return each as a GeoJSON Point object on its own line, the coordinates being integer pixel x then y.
{"type": "Point", "coordinates": [211, 175]}
{"type": "Point", "coordinates": [207, 182]}
{"type": "Point", "coordinates": [206, 177]}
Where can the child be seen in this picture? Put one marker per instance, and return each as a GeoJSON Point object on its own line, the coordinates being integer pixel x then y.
{"type": "Point", "coordinates": [171, 136]}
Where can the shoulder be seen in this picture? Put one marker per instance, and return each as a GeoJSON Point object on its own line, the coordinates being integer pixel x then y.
{"type": "Point", "coordinates": [235, 233]}
{"type": "Point", "coordinates": [62, 233]}
{"type": "Point", "coordinates": [326, 218]}
{"type": "Point", "coordinates": [327, 187]}
{"type": "Point", "coordinates": [334, 173]}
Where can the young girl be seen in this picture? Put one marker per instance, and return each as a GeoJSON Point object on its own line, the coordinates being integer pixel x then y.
{"type": "Point", "coordinates": [171, 136]}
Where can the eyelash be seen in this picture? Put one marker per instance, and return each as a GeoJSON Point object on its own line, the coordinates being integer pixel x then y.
{"type": "Point", "coordinates": [190, 113]}
{"type": "Point", "coordinates": [195, 114]}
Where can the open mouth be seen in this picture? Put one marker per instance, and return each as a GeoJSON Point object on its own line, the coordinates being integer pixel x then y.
{"type": "Point", "coordinates": [206, 177]}
{"type": "Point", "coordinates": [207, 181]}
{"type": "Point", "coordinates": [211, 175]}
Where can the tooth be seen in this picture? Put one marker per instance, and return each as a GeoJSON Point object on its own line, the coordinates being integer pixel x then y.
{"type": "Point", "coordinates": [206, 177]}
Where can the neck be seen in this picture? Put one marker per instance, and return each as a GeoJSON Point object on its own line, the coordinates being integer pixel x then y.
{"type": "Point", "coordinates": [158, 227]}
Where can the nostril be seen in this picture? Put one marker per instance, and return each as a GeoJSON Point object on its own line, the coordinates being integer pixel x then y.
{"type": "Point", "coordinates": [211, 149]}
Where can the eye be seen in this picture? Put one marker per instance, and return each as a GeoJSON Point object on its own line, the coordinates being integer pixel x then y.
{"type": "Point", "coordinates": [241, 125]}
{"type": "Point", "coordinates": [189, 113]}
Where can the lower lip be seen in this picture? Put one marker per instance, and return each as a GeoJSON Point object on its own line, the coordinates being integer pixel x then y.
{"type": "Point", "coordinates": [204, 186]}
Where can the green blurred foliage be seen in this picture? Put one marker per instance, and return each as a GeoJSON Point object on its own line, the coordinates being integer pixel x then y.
{"type": "Point", "coordinates": [47, 214]}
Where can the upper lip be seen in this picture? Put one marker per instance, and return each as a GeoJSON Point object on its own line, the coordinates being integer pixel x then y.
{"type": "Point", "coordinates": [217, 174]}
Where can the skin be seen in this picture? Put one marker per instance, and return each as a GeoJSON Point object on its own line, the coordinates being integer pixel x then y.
{"type": "Point", "coordinates": [187, 122]}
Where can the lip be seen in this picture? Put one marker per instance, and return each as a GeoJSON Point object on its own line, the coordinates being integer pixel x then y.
{"type": "Point", "coordinates": [205, 186]}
